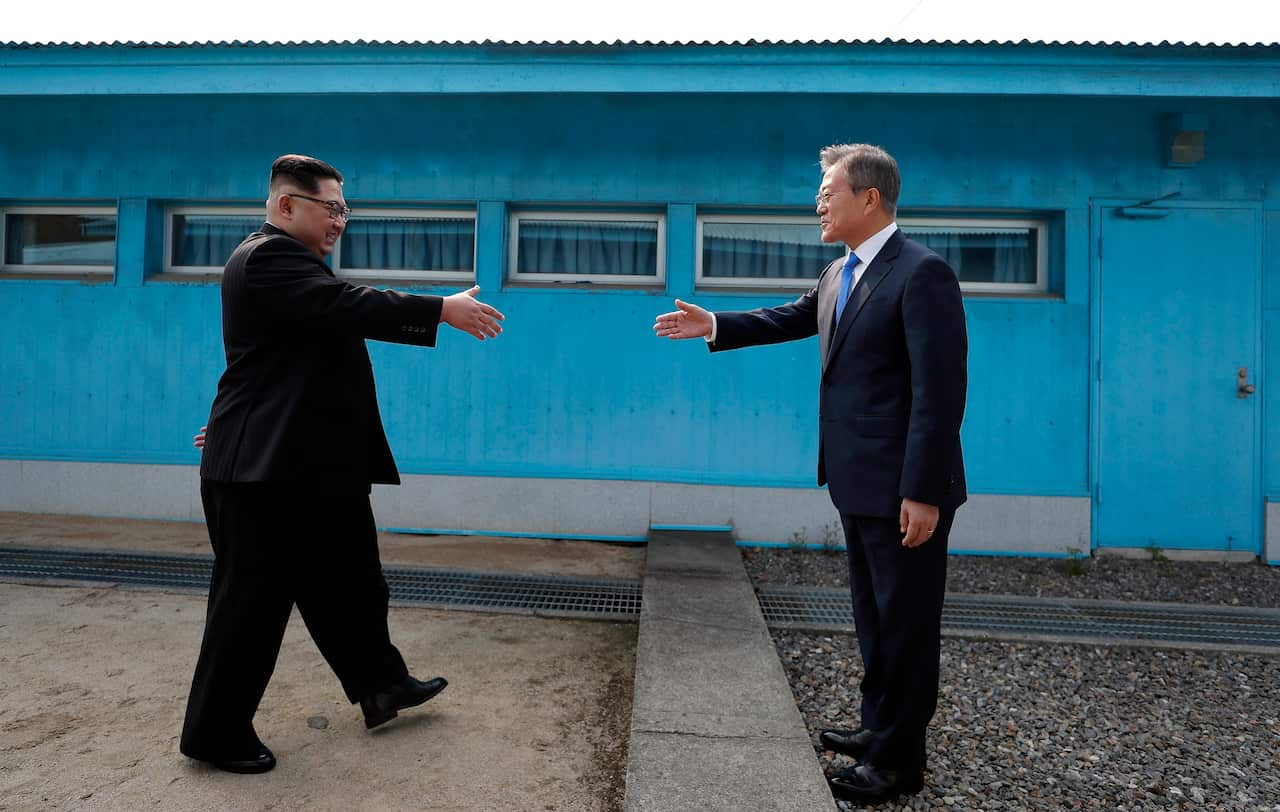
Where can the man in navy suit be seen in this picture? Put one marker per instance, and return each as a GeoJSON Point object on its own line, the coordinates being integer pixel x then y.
{"type": "Point", "coordinates": [293, 445]}
{"type": "Point", "coordinates": [891, 332]}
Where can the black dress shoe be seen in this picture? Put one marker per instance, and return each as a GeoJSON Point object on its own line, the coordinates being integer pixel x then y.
{"type": "Point", "coordinates": [260, 762]}
{"type": "Point", "coordinates": [387, 703]}
{"type": "Point", "coordinates": [868, 784]}
{"type": "Point", "coordinates": [854, 743]}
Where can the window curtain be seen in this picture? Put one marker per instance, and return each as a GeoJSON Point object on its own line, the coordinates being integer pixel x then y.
{"type": "Point", "coordinates": [208, 241]}
{"type": "Point", "coordinates": [983, 256]}
{"type": "Point", "coordinates": [735, 257]}
{"type": "Point", "coordinates": [1015, 260]}
{"type": "Point", "coordinates": [606, 248]}
{"type": "Point", "coordinates": [372, 243]}
{"type": "Point", "coordinates": [60, 239]}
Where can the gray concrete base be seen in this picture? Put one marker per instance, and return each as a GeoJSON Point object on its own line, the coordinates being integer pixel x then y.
{"type": "Point", "coordinates": [1271, 549]}
{"type": "Point", "coordinates": [992, 523]}
{"type": "Point", "coordinates": [1144, 554]}
{"type": "Point", "coordinates": [713, 722]}
{"type": "Point", "coordinates": [596, 508]}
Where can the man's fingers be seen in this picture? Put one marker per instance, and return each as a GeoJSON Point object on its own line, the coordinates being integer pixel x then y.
{"type": "Point", "coordinates": [490, 310]}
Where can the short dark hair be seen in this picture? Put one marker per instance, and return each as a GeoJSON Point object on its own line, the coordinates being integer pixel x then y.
{"type": "Point", "coordinates": [866, 167]}
{"type": "Point", "coordinates": [302, 171]}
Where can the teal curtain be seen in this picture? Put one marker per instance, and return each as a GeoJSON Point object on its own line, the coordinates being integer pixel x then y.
{"type": "Point", "coordinates": [420, 244]}
{"type": "Point", "coordinates": [204, 240]}
{"type": "Point", "coordinates": [616, 248]}
{"type": "Point", "coordinates": [1003, 256]}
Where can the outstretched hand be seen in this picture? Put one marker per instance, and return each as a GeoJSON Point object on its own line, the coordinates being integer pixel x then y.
{"type": "Point", "coordinates": [690, 321]}
{"type": "Point", "coordinates": [463, 311]}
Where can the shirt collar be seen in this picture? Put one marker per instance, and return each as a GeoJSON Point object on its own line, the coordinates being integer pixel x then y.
{"type": "Point", "coordinates": [870, 247]}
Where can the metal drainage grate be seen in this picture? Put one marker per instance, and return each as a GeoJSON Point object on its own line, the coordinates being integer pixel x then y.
{"type": "Point", "coordinates": [809, 607]}
{"type": "Point", "coordinates": [524, 594]}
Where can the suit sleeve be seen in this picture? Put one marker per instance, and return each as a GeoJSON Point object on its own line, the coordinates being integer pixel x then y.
{"type": "Point", "coordinates": [767, 325]}
{"type": "Point", "coordinates": [937, 349]}
{"type": "Point", "coordinates": [289, 286]}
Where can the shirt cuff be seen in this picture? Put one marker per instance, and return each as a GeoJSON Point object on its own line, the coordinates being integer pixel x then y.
{"type": "Point", "coordinates": [711, 339]}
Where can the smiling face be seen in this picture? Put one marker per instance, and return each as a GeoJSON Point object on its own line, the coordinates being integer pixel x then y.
{"type": "Point", "coordinates": [843, 212]}
{"type": "Point", "coordinates": [310, 222]}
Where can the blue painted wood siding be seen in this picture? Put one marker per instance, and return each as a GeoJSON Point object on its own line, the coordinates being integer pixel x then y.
{"type": "Point", "coordinates": [578, 386]}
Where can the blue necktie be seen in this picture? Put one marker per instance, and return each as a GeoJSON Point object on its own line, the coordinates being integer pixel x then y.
{"type": "Point", "coordinates": [846, 283]}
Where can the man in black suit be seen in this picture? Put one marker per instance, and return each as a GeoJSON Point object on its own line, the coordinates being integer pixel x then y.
{"type": "Point", "coordinates": [293, 445]}
{"type": "Point", "coordinates": [891, 332]}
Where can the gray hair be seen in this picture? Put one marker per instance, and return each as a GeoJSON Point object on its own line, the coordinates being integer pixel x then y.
{"type": "Point", "coordinates": [866, 167]}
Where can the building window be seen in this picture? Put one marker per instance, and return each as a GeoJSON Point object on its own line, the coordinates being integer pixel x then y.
{"type": "Point", "coordinates": [594, 247]}
{"type": "Point", "coordinates": [377, 243]}
{"type": "Point", "coordinates": [58, 239]}
{"type": "Point", "coordinates": [763, 251]}
{"type": "Point", "coordinates": [200, 240]}
{"type": "Point", "coordinates": [989, 255]}
{"type": "Point", "coordinates": [408, 244]}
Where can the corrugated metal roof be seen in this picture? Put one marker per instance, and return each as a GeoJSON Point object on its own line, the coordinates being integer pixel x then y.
{"type": "Point", "coordinates": [550, 44]}
{"type": "Point", "coordinates": [588, 23]}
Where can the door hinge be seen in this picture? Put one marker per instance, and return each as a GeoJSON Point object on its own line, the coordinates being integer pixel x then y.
{"type": "Point", "coordinates": [1097, 370]}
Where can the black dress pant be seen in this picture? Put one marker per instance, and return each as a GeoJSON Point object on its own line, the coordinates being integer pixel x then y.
{"type": "Point", "coordinates": [276, 545]}
{"type": "Point", "coordinates": [897, 607]}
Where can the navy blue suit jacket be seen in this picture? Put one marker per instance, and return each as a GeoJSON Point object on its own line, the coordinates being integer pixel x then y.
{"type": "Point", "coordinates": [894, 377]}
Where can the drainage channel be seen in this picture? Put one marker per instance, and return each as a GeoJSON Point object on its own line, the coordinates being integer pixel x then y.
{"type": "Point", "coordinates": [830, 609]}
{"type": "Point", "coordinates": [592, 598]}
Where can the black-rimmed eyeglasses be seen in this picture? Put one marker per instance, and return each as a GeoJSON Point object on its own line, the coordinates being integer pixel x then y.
{"type": "Point", "coordinates": [337, 211]}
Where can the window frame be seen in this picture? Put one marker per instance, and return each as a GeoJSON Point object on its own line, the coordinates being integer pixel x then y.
{"type": "Point", "coordinates": [400, 274]}
{"type": "Point", "coordinates": [170, 212]}
{"type": "Point", "coordinates": [740, 282]}
{"type": "Point", "coordinates": [659, 280]}
{"type": "Point", "coordinates": [57, 270]}
{"type": "Point", "coordinates": [1038, 225]}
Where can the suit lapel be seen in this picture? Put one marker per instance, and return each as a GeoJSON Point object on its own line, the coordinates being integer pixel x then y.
{"type": "Point", "coordinates": [871, 278]}
{"type": "Point", "coordinates": [827, 293]}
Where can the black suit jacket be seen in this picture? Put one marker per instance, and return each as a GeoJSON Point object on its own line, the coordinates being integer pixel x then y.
{"type": "Point", "coordinates": [297, 401]}
{"type": "Point", "coordinates": [894, 378]}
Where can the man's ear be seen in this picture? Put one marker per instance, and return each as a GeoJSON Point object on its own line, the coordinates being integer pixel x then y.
{"type": "Point", "coordinates": [284, 205]}
{"type": "Point", "coordinates": [873, 198]}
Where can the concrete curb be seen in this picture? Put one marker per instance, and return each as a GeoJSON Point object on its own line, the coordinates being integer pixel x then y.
{"type": "Point", "coordinates": [713, 721]}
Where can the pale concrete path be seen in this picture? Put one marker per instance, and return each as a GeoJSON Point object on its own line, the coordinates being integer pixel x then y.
{"type": "Point", "coordinates": [714, 725]}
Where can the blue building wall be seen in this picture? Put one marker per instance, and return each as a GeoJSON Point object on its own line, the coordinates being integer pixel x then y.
{"type": "Point", "coordinates": [124, 370]}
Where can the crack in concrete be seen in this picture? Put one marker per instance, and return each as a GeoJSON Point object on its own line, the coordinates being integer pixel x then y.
{"type": "Point", "coordinates": [703, 623]}
{"type": "Point", "coordinates": [724, 736]}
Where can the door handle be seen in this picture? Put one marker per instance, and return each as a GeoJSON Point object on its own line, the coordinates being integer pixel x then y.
{"type": "Point", "coordinates": [1243, 388]}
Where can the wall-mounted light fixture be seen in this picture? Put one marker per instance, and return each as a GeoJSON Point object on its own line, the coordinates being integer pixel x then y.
{"type": "Point", "coordinates": [1184, 139]}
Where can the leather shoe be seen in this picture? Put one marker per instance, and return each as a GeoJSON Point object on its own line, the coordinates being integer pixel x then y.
{"type": "Point", "coordinates": [854, 743]}
{"type": "Point", "coordinates": [262, 761]}
{"type": "Point", "coordinates": [868, 784]}
{"type": "Point", "coordinates": [387, 703]}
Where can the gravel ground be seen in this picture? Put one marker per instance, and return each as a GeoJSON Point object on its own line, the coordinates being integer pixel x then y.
{"type": "Point", "coordinates": [1049, 727]}
{"type": "Point", "coordinates": [1103, 578]}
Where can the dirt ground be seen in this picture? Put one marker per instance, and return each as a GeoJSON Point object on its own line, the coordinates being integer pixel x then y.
{"type": "Point", "coordinates": [538, 556]}
{"type": "Point", "coordinates": [93, 685]}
